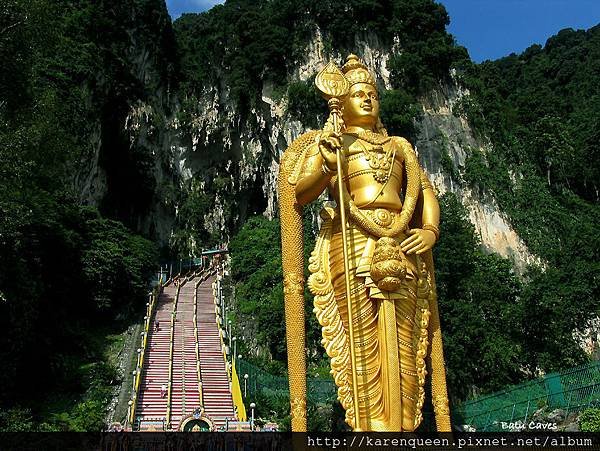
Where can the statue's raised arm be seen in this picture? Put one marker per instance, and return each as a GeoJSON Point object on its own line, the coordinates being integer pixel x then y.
{"type": "Point", "coordinates": [371, 271]}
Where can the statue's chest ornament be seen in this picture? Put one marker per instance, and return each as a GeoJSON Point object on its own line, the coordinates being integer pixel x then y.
{"type": "Point", "coordinates": [381, 162]}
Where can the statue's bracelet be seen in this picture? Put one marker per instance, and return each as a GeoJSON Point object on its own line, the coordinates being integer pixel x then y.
{"type": "Point", "coordinates": [432, 228]}
{"type": "Point", "coordinates": [325, 170]}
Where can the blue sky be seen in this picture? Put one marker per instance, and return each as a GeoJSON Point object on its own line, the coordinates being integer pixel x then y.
{"type": "Point", "coordinates": [489, 29]}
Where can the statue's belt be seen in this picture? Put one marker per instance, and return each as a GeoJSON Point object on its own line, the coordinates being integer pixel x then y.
{"type": "Point", "coordinates": [378, 222]}
{"type": "Point", "coordinates": [383, 265]}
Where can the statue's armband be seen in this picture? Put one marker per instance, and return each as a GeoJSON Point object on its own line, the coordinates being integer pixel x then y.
{"type": "Point", "coordinates": [295, 156]}
{"type": "Point", "coordinates": [312, 163]}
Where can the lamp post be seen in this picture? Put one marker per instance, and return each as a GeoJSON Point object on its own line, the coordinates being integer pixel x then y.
{"type": "Point", "coordinates": [252, 406]}
{"type": "Point", "coordinates": [130, 404]}
{"type": "Point", "coordinates": [245, 385]}
{"type": "Point", "coordinates": [221, 299]}
{"type": "Point", "coordinates": [229, 329]}
{"type": "Point", "coordinates": [234, 340]}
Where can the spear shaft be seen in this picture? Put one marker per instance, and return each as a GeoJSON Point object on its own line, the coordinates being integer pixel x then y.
{"type": "Point", "coordinates": [334, 105]}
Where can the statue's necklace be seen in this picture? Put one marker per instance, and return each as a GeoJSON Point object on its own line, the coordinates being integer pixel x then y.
{"type": "Point", "coordinates": [381, 163]}
{"type": "Point", "coordinates": [372, 138]}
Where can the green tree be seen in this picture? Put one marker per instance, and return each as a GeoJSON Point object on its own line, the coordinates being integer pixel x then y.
{"type": "Point", "coordinates": [479, 307]}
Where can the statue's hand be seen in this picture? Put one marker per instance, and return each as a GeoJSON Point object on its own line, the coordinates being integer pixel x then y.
{"type": "Point", "coordinates": [329, 144]}
{"type": "Point", "coordinates": [420, 241]}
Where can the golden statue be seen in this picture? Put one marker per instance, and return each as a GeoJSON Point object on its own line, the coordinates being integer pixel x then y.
{"type": "Point", "coordinates": [371, 270]}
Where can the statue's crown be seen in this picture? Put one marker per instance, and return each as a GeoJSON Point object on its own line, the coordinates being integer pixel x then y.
{"type": "Point", "coordinates": [356, 72]}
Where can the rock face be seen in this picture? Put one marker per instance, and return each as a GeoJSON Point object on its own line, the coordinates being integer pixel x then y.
{"type": "Point", "coordinates": [442, 131]}
{"type": "Point", "coordinates": [588, 337]}
{"type": "Point", "coordinates": [253, 148]}
{"type": "Point", "coordinates": [154, 147]}
{"type": "Point", "coordinates": [129, 168]}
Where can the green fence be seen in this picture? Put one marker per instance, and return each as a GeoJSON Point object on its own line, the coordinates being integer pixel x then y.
{"type": "Point", "coordinates": [570, 390]}
{"type": "Point", "coordinates": [319, 390]}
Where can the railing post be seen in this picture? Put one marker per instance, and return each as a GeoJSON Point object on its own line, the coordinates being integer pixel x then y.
{"type": "Point", "coordinates": [591, 397]}
{"type": "Point", "coordinates": [487, 422]}
{"type": "Point", "coordinates": [569, 403]}
{"type": "Point", "coordinates": [129, 412]}
{"type": "Point", "coordinates": [252, 406]}
{"type": "Point", "coordinates": [527, 410]}
{"type": "Point", "coordinates": [132, 418]}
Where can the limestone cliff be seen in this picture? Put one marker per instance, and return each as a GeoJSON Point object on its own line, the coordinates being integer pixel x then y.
{"type": "Point", "coordinates": [252, 148]}
{"type": "Point", "coordinates": [128, 168]}
{"type": "Point", "coordinates": [158, 145]}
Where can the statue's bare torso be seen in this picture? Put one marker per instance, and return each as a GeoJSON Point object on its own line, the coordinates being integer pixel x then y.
{"type": "Point", "coordinates": [375, 173]}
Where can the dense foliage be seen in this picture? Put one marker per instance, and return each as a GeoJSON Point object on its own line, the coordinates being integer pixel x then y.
{"type": "Point", "coordinates": [252, 42]}
{"type": "Point", "coordinates": [589, 420]}
{"type": "Point", "coordinates": [481, 313]}
{"type": "Point", "coordinates": [69, 277]}
{"type": "Point", "coordinates": [258, 282]}
{"type": "Point", "coordinates": [541, 111]}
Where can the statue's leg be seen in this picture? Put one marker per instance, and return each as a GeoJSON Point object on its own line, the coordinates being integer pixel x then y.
{"type": "Point", "coordinates": [405, 323]}
{"type": "Point", "coordinates": [370, 390]}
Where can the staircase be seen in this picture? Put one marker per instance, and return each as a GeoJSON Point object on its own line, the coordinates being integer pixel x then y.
{"type": "Point", "coordinates": [215, 382]}
{"type": "Point", "coordinates": [152, 408]}
{"type": "Point", "coordinates": [184, 389]}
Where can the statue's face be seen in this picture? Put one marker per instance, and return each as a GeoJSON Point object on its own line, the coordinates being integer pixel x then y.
{"type": "Point", "coordinates": [361, 106]}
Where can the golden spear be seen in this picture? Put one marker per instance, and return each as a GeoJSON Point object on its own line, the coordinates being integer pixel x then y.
{"type": "Point", "coordinates": [333, 85]}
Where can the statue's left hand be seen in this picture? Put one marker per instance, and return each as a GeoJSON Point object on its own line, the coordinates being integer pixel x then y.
{"type": "Point", "coordinates": [420, 241]}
